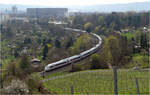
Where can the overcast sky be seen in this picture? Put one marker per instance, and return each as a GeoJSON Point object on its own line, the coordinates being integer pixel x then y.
{"type": "Point", "coordinates": [66, 2]}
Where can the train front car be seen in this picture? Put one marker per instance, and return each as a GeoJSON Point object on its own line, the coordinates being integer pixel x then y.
{"type": "Point", "coordinates": [55, 65]}
{"type": "Point", "coordinates": [47, 68]}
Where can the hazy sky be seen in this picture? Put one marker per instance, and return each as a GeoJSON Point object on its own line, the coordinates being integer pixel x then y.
{"type": "Point", "coordinates": [66, 2]}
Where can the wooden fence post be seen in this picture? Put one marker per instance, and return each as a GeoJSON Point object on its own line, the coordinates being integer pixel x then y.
{"type": "Point", "coordinates": [72, 90]}
{"type": "Point", "coordinates": [1, 76]}
{"type": "Point", "coordinates": [87, 93]}
{"type": "Point", "coordinates": [115, 80]}
{"type": "Point", "coordinates": [137, 86]}
{"type": "Point", "coordinates": [1, 66]}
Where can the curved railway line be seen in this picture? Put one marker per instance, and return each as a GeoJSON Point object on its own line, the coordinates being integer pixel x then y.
{"type": "Point", "coordinates": [75, 58]}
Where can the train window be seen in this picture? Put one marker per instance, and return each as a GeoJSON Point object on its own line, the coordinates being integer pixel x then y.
{"type": "Point", "coordinates": [59, 64]}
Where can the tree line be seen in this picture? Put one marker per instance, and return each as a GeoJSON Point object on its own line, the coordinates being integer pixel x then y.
{"type": "Point", "coordinates": [111, 21]}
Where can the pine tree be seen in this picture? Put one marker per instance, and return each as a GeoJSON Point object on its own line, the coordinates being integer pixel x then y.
{"type": "Point", "coordinates": [24, 62]}
{"type": "Point", "coordinates": [143, 41]}
{"type": "Point", "coordinates": [45, 51]}
{"type": "Point", "coordinates": [57, 44]}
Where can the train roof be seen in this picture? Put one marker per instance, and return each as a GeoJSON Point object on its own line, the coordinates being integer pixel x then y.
{"type": "Point", "coordinates": [82, 53]}
{"type": "Point", "coordinates": [54, 63]}
{"type": "Point", "coordinates": [74, 56]}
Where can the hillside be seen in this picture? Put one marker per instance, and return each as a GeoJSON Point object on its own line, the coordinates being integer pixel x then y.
{"type": "Point", "coordinates": [97, 81]}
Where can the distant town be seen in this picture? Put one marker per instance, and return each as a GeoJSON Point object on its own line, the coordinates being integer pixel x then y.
{"type": "Point", "coordinates": [34, 13]}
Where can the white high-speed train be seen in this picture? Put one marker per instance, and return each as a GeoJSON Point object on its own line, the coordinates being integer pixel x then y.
{"type": "Point", "coordinates": [74, 58]}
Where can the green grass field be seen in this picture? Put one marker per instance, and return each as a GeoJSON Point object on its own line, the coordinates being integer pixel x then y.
{"type": "Point", "coordinates": [99, 82]}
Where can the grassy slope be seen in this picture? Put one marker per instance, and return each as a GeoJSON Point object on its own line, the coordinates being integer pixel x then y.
{"type": "Point", "coordinates": [99, 82]}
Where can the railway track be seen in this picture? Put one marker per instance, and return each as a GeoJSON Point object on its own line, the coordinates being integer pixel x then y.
{"type": "Point", "coordinates": [83, 55]}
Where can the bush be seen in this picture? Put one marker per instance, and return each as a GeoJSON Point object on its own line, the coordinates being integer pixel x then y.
{"type": "Point", "coordinates": [57, 44]}
{"type": "Point", "coordinates": [94, 61]}
{"type": "Point", "coordinates": [88, 26]}
{"type": "Point", "coordinates": [32, 85]}
{"type": "Point", "coordinates": [16, 87]}
{"type": "Point", "coordinates": [45, 51]}
{"type": "Point", "coordinates": [24, 63]}
{"type": "Point", "coordinates": [35, 85]}
{"type": "Point", "coordinates": [12, 69]}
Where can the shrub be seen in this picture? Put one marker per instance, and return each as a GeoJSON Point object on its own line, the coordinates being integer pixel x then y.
{"type": "Point", "coordinates": [16, 87]}
{"type": "Point", "coordinates": [95, 61]}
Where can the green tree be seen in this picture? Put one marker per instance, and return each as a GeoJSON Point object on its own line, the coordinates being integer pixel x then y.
{"type": "Point", "coordinates": [16, 54]}
{"type": "Point", "coordinates": [101, 20]}
{"type": "Point", "coordinates": [112, 26]}
{"type": "Point", "coordinates": [144, 42]}
{"type": "Point", "coordinates": [112, 50]}
{"type": "Point", "coordinates": [24, 62]}
{"type": "Point", "coordinates": [95, 61]}
{"type": "Point", "coordinates": [8, 33]}
{"type": "Point", "coordinates": [57, 44]}
{"type": "Point", "coordinates": [69, 43]}
{"type": "Point", "coordinates": [15, 70]}
{"type": "Point", "coordinates": [32, 85]}
{"type": "Point", "coordinates": [39, 41]}
{"type": "Point", "coordinates": [137, 36]}
{"type": "Point", "coordinates": [88, 26]}
{"type": "Point", "coordinates": [12, 68]}
{"type": "Point", "coordinates": [80, 44]}
{"type": "Point", "coordinates": [44, 42]}
{"type": "Point", "coordinates": [27, 41]}
{"type": "Point", "coordinates": [50, 40]}
{"type": "Point", "coordinates": [97, 28]}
